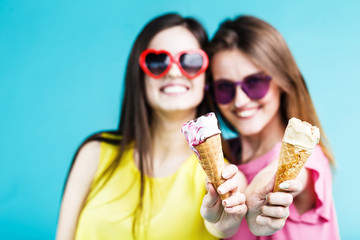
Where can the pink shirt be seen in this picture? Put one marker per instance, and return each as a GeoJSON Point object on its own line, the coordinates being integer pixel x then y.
{"type": "Point", "coordinates": [317, 223]}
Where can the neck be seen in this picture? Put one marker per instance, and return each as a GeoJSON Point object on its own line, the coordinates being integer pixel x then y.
{"type": "Point", "coordinates": [168, 141]}
{"type": "Point", "coordinates": [256, 145]}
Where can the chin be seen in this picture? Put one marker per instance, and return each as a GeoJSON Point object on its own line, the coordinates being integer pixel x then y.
{"type": "Point", "coordinates": [248, 132]}
{"type": "Point", "coordinates": [249, 129]}
{"type": "Point", "coordinates": [180, 107]}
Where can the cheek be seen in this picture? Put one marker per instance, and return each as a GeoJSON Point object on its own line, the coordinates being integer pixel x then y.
{"type": "Point", "coordinates": [226, 110]}
{"type": "Point", "coordinates": [198, 86]}
{"type": "Point", "coordinates": [150, 86]}
{"type": "Point", "coordinates": [199, 82]}
{"type": "Point", "coordinates": [272, 100]}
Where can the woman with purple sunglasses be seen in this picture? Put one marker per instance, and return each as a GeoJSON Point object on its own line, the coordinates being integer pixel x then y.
{"type": "Point", "coordinates": [142, 181]}
{"type": "Point", "coordinates": [257, 88]}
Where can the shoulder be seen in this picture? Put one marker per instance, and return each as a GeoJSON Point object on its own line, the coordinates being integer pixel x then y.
{"type": "Point", "coordinates": [83, 170]}
{"type": "Point", "coordinates": [89, 153]}
{"type": "Point", "coordinates": [87, 160]}
{"type": "Point", "coordinates": [95, 145]}
{"type": "Point", "coordinates": [89, 150]}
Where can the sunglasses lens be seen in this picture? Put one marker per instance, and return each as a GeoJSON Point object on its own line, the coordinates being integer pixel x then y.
{"type": "Point", "coordinates": [224, 91]}
{"type": "Point", "coordinates": [157, 63]}
{"type": "Point", "coordinates": [256, 86]}
{"type": "Point", "coordinates": [191, 63]}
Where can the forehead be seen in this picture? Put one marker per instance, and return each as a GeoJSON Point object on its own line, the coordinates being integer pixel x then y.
{"type": "Point", "coordinates": [174, 39]}
{"type": "Point", "coordinates": [232, 64]}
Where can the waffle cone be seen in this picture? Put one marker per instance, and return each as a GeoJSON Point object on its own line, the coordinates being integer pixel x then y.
{"type": "Point", "coordinates": [291, 161]}
{"type": "Point", "coordinates": [212, 160]}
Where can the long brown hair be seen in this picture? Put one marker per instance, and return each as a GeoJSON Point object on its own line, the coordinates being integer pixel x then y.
{"type": "Point", "coordinates": [136, 114]}
{"type": "Point", "coordinates": [267, 49]}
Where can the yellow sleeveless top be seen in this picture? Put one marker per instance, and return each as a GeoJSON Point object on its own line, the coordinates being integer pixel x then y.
{"type": "Point", "coordinates": [172, 211]}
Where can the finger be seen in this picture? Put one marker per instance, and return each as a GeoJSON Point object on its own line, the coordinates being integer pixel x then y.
{"type": "Point", "coordinates": [235, 199]}
{"type": "Point", "coordinates": [228, 186]}
{"type": "Point", "coordinates": [275, 211]}
{"type": "Point", "coordinates": [280, 199]}
{"type": "Point", "coordinates": [211, 198]}
{"type": "Point", "coordinates": [229, 171]}
{"type": "Point", "coordinates": [239, 209]}
{"type": "Point", "coordinates": [291, 186]}
{"type": "Point", "coordinates": [271, 222]}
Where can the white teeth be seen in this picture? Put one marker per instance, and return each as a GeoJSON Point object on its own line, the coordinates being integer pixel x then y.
{"type": "Point", "coordinates": [246, 113]}
{"type": "Point", "coordinates": [175, 89]}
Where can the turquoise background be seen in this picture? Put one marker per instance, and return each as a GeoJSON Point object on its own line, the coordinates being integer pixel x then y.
{"type": "Point", "coordinates": [61, 78]}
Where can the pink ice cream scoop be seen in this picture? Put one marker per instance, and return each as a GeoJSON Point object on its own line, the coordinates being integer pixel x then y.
{"type": "Point", "coordinates": [198, 130]}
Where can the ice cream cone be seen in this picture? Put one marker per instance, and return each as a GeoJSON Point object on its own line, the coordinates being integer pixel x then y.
{"type": "Point", "coordinates": [299, 141]}
{"type": "Point", "coordinates": [292, 159]}
{"type": "Point", "coordinates": [211, 159]}
{"type": "Point", "coordinates": [203, 136]}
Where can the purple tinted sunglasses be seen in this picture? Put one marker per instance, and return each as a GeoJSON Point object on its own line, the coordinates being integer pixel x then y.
{"type": "Point", "coordinates": [255, 86]}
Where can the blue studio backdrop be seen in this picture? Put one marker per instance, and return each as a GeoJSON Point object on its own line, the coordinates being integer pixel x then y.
{"type": "Point", "coordinates": [61, 78]}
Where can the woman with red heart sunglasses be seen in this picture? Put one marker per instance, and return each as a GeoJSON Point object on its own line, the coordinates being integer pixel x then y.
{"type": "Point", "coordinates": [142, 181]}
{"type": "Point", "coordinates": [257, 88]}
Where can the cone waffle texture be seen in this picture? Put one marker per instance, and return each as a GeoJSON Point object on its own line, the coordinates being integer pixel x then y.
{"type": "Point", "coordinates": [291, 161]}
{"type": "Point", "coordinates": [212, 160]}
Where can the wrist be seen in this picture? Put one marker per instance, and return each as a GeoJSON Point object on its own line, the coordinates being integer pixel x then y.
{"type": "Point", "coordinates": [222, 230]}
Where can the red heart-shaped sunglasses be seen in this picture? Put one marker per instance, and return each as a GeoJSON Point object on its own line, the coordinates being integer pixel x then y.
{"type": "Point", "coordinates": [157, 63]}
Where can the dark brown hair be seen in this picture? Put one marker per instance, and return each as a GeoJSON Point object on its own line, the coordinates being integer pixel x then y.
{"type": "Point", "coordinates": [136, 114]}
{"type": "Point", "coordinates": [267, 49]}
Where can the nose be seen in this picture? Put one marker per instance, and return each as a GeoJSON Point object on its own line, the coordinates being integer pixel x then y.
{"type": "Point", "coordinates": [174, 71]}
{"type": "Point", "coordinates": [241, 99]}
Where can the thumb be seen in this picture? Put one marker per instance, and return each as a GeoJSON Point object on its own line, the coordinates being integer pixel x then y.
{"type": "Point", "coordinates": [211, 197]}
{"type": "Point", "coordinates": [262, 192]}
{"type": "Point", "coordinates": [211, 206]}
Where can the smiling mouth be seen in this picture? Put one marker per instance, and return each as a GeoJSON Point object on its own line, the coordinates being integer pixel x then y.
{"type": "Point", "coordinates": [174, 89]}
{"type": "Point", "coordinates": [246, 113]}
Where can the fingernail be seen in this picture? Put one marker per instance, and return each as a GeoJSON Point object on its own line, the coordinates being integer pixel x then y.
{"type": "Point", "coordinates": [221, 189]}
{"type": "Point", "coordinates": [266, 197]}
{"type": "Point", "coordinates": [284, 185]}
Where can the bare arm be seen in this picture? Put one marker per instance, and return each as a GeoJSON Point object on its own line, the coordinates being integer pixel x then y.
{"type": "Point", "coordinates": [77, 189]}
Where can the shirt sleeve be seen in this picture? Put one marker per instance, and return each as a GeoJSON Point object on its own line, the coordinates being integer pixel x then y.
{"type": "Point", "coordinates": [320, 172]}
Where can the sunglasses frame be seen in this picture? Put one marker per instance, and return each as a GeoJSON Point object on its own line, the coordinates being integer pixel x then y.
{"type": "Point", "coordinates": [173, 59]}
{"type": "Point", "coordinates": [266, 77]}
